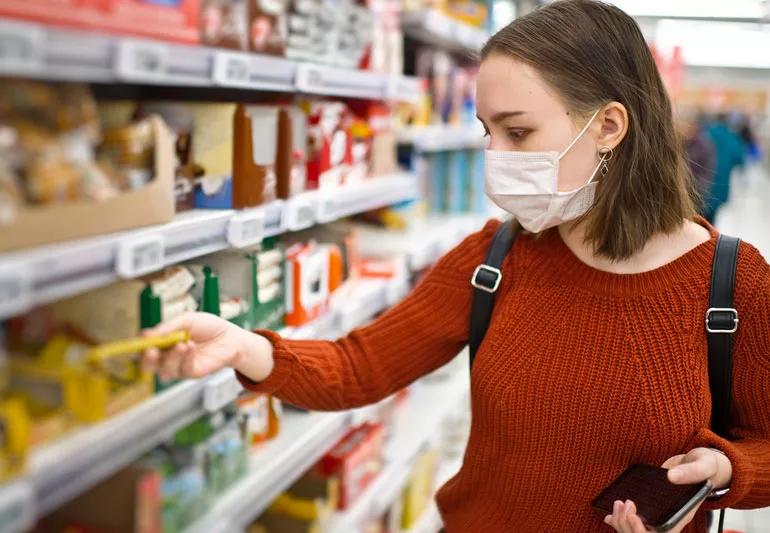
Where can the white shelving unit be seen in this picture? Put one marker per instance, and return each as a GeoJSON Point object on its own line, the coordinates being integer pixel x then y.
{"type": "Point", "coordinates": [430, 521]}
{"type": "Point", "coordinates": [304, 439]}
{"type": "Point", "coordinates": [435, 28]}
{"type": "Point", "coordinates": [428, 407]}
{"type": "Point", "coordinates": [69, 466]}
{"type": "Point", "coordinates": [47, 273]}
{"type": "Point", "coordinates": [39, 51]}
{"type": "Point", "coordinates": [423, 242]}
{"type": "Point", "coordinates": [437, 138]}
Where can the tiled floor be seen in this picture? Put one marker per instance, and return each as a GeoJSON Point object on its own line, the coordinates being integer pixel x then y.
{"type": "Point", "coordinates": [747, 216]}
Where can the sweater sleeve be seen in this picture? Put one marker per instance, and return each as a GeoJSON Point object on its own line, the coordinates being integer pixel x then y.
{"type": "Point", "coordinates": [749, 453]}
{"type": "Point", "coordinates": [420, 334]}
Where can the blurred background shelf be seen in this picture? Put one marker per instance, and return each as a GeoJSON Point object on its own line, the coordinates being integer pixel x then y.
{"type": "Point", "coordinates": [430, 403]}
{"type": "Point", "coordinates": [435, 28]}
{"type": "Point", "coordinates": [441, 138]}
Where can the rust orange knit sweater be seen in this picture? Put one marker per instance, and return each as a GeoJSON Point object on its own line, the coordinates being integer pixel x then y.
{"type": "Point", "coordinates": [582, 373]}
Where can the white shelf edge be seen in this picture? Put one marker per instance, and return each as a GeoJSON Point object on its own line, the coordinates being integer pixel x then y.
{"type": "Point", "coordinates": [435, 28]}
{"type": "Point", "coordinates": [48, 273]}
{"type": "Point", "coordinates": [438, 138]}
{"type": "Point", "coordinates": [47, 52]}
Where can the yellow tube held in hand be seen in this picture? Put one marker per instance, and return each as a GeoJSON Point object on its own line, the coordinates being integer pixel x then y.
{"type": "Point", "coordinates": [103, 352]}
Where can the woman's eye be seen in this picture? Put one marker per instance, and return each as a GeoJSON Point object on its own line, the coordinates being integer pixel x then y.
{"type": "Point", "coordinates": [517, 135]}
{"type": "Point", "coordinates": [486, 133]}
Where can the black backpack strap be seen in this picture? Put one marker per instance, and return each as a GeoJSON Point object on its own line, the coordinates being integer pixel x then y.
{"type": "Point", "coordinates": [721, 323]}
{"type": "Point", "coordinates": [486, 280]}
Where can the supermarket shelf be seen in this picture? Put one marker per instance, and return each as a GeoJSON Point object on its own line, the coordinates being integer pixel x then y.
{"type": "Point", "coordinates": [424, 242]}
{"type": "Point", "coordinates": [48, 273]}
{"type": "Point", "coordinates": [303, 439]}
{"type": "Point", "coordinates": [39, 51]}
{"type": "Point", "coordinates": [442, 138]}
{"type": "Point", "coordinates": [429, 405]}
{"type": "Point", "coordinates": [430, 521]}
{"type": "Point", "coordinates": [433, 27]}
{"type": "Point", "coordinates": [71, 465]}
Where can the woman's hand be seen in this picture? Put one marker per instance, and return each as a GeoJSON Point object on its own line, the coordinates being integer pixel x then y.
{"type": "Point", "coordinates": [214, 344]}
{"type": "Point", "coordinates": [696, 466]}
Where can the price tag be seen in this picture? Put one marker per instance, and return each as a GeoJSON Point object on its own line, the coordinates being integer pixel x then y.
{"type": "Point", "coordinates": [301, 212]}
{"type": "Point", "coordinates": [22, 48]}
{"type": "Point", "coordinates": [327, 209]}
{"type": "Point", "coordinates": [246, 228]}
{"type": "Point", "coordinates": [140, 255]}
{"type": "Point", "coordinates": [274, 218]}
{"type": "Point", "coordinates": [15, 290]}
{"type": "Point", "coordinates": [17, 507]}
{"type": "Point", "coordinates": [403, 89]}
{"type": "Point", "coordinates": [221, 389]}
{"type": "Point", "coordinates": [310, 78]}
{"type": "Point", "coordinates": [141, 60]}
{"type": "Point", "coordinates": [231, 69]}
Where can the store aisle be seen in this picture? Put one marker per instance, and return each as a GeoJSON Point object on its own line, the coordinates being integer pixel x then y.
{"type": "Point", "coordinates": [747, 215]}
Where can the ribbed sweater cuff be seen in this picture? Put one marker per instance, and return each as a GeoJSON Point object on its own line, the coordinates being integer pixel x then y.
{"type": "Point", "coordinates": [283, 363]}
{"type": "Point", "coordinates": [743, 469]}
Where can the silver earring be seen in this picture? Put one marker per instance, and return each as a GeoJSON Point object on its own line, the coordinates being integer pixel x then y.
{"type": "Point", "coordinates": [603, 152]}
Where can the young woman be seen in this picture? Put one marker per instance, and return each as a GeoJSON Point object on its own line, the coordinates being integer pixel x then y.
{"type": "Point", "coordinates": [596, 354]}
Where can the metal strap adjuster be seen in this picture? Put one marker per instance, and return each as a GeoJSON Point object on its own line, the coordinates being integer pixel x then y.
{"type": "Point", "coordinates": [711, 326]}
{"type": "Point", "coordinates": [488, 285]}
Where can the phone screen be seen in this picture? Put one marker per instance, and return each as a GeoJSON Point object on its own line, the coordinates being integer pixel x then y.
{"type": "Point", "coordinates": [657, 499]}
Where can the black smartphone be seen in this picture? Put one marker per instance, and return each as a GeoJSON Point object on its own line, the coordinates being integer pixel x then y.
{"type": "Point", "coordinates": [660, 504]}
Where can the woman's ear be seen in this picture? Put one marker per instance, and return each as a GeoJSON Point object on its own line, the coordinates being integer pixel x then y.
{"type": "Point", "coordinates": [613, 119]}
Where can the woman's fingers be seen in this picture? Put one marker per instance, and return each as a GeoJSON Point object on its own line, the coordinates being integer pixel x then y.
{"type": "Point", "coordinates": [633, 521]}
{"type": "Point", "coordinates": [151, 359]}
{"type": "Point", "coordinates": [181, 323]}
{"type": "Point", "coordinates": [696, 471]}
{"type": "Point", "coordinates": [171, 365]}
{"type": "Point", "coordinates": [673, 461]}
{"type": "Point", "coordinates": [624, 518]}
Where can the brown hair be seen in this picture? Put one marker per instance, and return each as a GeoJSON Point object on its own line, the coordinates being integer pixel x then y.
{"type": "Point", "coordinates": [594, 53]}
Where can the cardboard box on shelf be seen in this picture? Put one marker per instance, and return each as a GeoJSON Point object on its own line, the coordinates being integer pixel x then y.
{"type": "Point", "coordinates": [150, 204]}
{"type": "Point", "coordinates": [255, 138]}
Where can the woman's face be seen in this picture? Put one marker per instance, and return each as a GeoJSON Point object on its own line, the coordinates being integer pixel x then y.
{"type": "Point", "coordinates": [520, 112]}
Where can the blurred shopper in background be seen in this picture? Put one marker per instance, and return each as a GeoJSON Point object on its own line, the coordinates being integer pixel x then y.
{"type": "Point", "coordinates": [730, 153]}
{"type": "Point", "coordinates": [750, 143]}
{"type": "Point", "coordinates": [700, 153]}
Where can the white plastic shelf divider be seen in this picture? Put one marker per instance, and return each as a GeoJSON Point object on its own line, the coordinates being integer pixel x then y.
{"type": "Point", "coordinates": [437, 138]}
{"type": "Point", "coordinates": [69, 466]}
{"type": "Point", "coordinates": [433, 27]}
{"type": "Point", "coordinates": [430, 404]}
{"type": "Point", "coordinates": [48, 273]}
{"type": "Point", "coordinates": [39, 51]}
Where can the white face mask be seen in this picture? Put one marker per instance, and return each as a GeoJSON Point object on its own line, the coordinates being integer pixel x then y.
{"type": "Point", "coordinates": [526, 185]}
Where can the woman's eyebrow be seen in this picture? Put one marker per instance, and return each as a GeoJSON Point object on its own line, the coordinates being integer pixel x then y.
{"type": "Point", "coordinates": [502, 115]}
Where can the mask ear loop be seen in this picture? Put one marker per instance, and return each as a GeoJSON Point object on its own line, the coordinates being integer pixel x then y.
{"type": "Point", "coordinates": [576, 139]}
